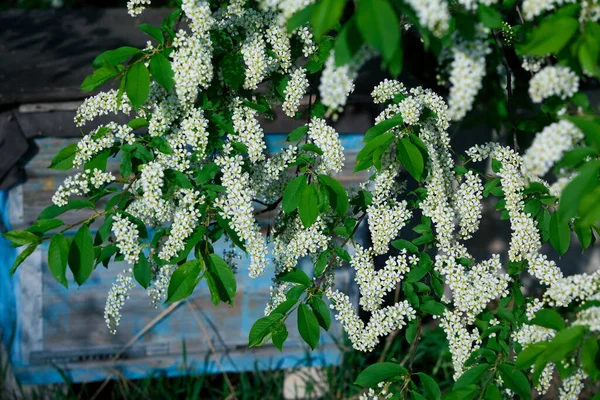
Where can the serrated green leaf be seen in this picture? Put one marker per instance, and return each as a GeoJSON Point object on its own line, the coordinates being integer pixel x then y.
{"type": "Point", "coordinates": [560, 234]}
{"type": "Point", "coordinates": [548, 318]}
{"type": "Point", "coordinates": [137, 84]}
{"type": "Point", "coordinates": [322, 312]}
{"type": "Point", "coordinates": [292, 194]}
{"type": "Point", "coordinates": [58, 255]}
{"type": "Point", "coordinates": [325, 15]}
{"type": "Point", "coordinates": [263, 328]}
{"type": "Point", "coordinates": [161, 70]}
{"type": "Point", "coordinates": [23, 256]}
{"type": "Point", "coordinates": [63, 161]}
{"type": "Point", "coordinates": [550, 36]}
{"type": "Point", "coordinates": [295, 275]}
{"type": "Point", "coordinates": [431, 388]}
{"type": "Point", "coordinates": [308, 326]}
{"type": "Point", "coordinates": [308, 208]}
{"type": "Point", "coordinates": [116, 56]}
{"type": "Point", "coordinates": [142, 271]}
{"type": "Point", "coordinates": [379, 26]}
{"type": "Point", "coordinates": [183, 281]}
{"type": "Point", "coordinates": [515, 380]}
{"type": "Point", "coordinates": [81, 255]}
{"type": "Point", "coordinates": [379, 372]}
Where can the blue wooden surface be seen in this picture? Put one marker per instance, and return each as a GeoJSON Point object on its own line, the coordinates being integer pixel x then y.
{"type": "Point", "coordinates": [72, 325]}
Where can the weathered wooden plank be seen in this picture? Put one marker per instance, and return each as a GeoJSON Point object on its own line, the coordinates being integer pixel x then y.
{"type": "Point", "coordinates": [46, 54]}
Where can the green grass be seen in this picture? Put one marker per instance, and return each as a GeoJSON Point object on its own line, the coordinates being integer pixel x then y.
{"type": "Point", "coordinates": [431, 355]}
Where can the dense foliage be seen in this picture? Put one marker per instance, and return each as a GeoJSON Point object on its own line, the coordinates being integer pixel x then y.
{"type": "Point", "coordinates": [194, 168]}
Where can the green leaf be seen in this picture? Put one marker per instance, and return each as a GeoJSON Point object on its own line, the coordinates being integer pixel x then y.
{"type": "Point", "coordinates": [560, 234]}
{"type": "Point", "coordinates": [81, 255]}
{"type": "Point", "coordinates": [515, 380]}
{"type": "Point", "coordinates": [589, 208]}
{"type": "Point", "coordinates": [308, 209]}
{"type": "Point", "coordinates": [297, 133]}
{"type": "Point", "coordinates": [63, 161]}
{"type": "Point", "coordinates": [154, 32]}
{"type": "Point", "coordinates": [551, 36]}
{"type": "Point", "coordinates": [589, 358]}
{"type": "Point", "coordinates": [312, 147]}
{"type": "Point", "coordinates": [564, 342]}
{"type": "Point", "coordinates": [412, 159]}
{"type": "Point", "coordinates": [162, 145]}
{"type": "Point", "coordinates": [161, 70]}
{"type": "Point", "coordinates": [527, 357]}
{"type": "Point", "coordinates": [292, 194]}
{"type": "Point", "coordinates": [492, 393]}
{"type": "Point", "coordinates": [308, 326]}
{"type": "Point", "coordinates": [178, 178]}
{"type": "Point", "coordinates": [224, 278]}
{"type": "Point", "coordinates": [588, 55]}
{"type": "Point", "coordinates": [142, 271]}
{"type": "Point", "coordinates": [23, 256]}
{"type": "Point", "coordinates": [45, 225]}
{"type": "Point", "coordinates": [54, 210]}
{"type": "Point", "coordinates": [582, 184]}
{"type": "Point", "coordinates": [279, 336]}
{"type": "Point", "coordinates": [383, 127]}
{"type": "Point", "coordinates": [549, 318]}
{"type": "Point", "coordinates": [379, 372]}
{"type": "Point", "coordinates": [300, 18]}
{"type": "Point", "coordinates": [379, 26]}
{"type": "Point", "coordinates": [295, 275]}
{"type": "Point", "coordinates": [590, 128]}
{"type": "Point", "coordinates": [338, 198]}
{"type": "Point", "coordinates": [183, 281]}
{"type": "Point", "coordinates": [543, 220]}
{"type": "Point", "coordinates": [431, 388]}
{"type": "Point", "coordinates": [207, 173]}
{"type": "Point", "coordinates": [405, 244]}
{"type": "Point", "coordinates": [325, 15]}
{"type": "Point", "coordinates": [262, 329]}
{"type": "Point", "coordinates": [137, 84]}
{"type": "Point", "coordinates": [489, 17]}
{"type": "Point", "coordinates": [233, 71]}
{"type": "Point", "coordinates": [99, 161]}
{"type": "Point", "coordinates": [433, 307]}
{"type": "Point", "coordinates": [347, 42]}
{"type": "Point", "coordinates": [471, 376]}
{"type": "Point", "coordinates": [58, 255]}
{"type": "Point", "coordinates": [462, 393]}
{"type": "Point", "coordinates": [116, 56]}
{"type": "Point", "coordinates": [378, 144]}
{"type": "Point", "coordinates": [322, 312]}
{"type": "Point", "coordinates": [97, 78]}
{"type": "Point", "coordinates": [584, 233]}
{"type": "Point", "coordinates": [21, 238]}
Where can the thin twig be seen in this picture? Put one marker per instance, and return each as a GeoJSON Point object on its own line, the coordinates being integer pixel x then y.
{"type": "Point", "coordinates": [212, 350]}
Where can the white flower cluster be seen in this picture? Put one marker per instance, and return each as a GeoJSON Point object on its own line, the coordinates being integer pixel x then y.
{"type": "Point", "coordinates": [472, 5]}
{"type": "Point", "coordinates": [328, 140]}
{"type": "Point", "coordinates": [382, 322]}
{"type": "Point", "coordinates": [387, 216]}
{"type": "Point", "coordinates": [468, 205]}
{"type": "Point", "coordinates": [127, 237]}
{"type": "Point", "coordinates": [380, 394]}
{"type": "Point", "coordinates": [533, 8]}
{"type": "Point", "coordinates": [460, 341]}
{"type": "Point", "coordinates": [294, 91]}
{"type": "Point", "coordinates": [549, 146]}
{"type": "Point", "coordinates": [387, 90]}
{"type": "Point", "coordinates": [579, 287]}
{"type": "Point", "coordinates": [433, 15]}
{"type": "Point", "coordinates": [185, 221]}
{"type": "Point", "coordinates": [158, 289]}
{"type": "Point", "coordinates": [589, 317]}
{"type": "Point", "coordinates": [151, 182]}
{"type": "Point", "coordinates": [117, 295]}
{"type": "Point", "coordinates": [192, 65]}
{"type": "Point", "coordinates": [279, 40]}
{"type": "Point", "coordinates": [249, 131]}
{"type": "Point", "coordinates": [136, 7]}
{"type": "Point", "coordinates": [467, 72]}
{"type": "Point", "coordinates": [269, 177]}
{"type": "Point", "coordinates": [81, 184]}
{"type": "Point", "coordinates": [165, 112]}
{"type": "Point", "coordinates": [288, 248]}
{"type": "Point", "coordinates": [572, 386]}
{"type": "Point", "coordinates": [253, 51]}
{"type": "Point", "coordinates": [590, 11]}
{"type": "Point", "coordinates": [532, 64]}
{"type": "Point", "coordinates": [374, 285]}
{"type": "Point", "coordinates": [553, 80]}
{"type": "Point", "coordinates": [410, 110]}
{"type": "Point", "coordinates": [287, 7]}
{"type": "Point", "coordinates": [473, 289]}
{"type": "Point", "coordinates": [236, 206]}
{"type": "Point", "coordinates": [338, 82]}
{"type": "Point", "coordinates": [102, 138]}
{"type": "Point", "coordinates": [198, 11]}
{"type": "Point", "coordinates": [103, 103]}
{"type": "Point", "coordinates": [308, 44]}
{"type": "Point", "coordinates": [193, 132]}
